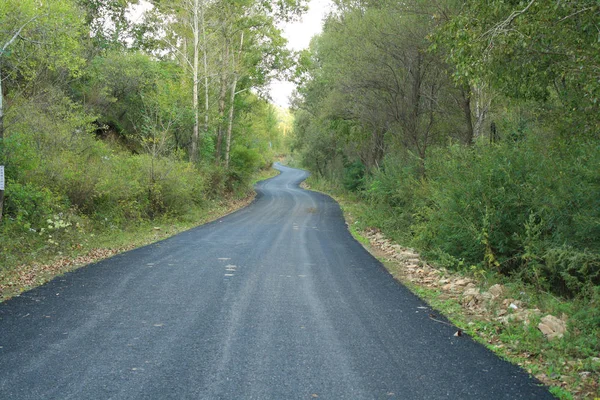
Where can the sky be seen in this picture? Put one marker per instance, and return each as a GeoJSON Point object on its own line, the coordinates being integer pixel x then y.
{"type": "Point", "coordinates": [299, 35]}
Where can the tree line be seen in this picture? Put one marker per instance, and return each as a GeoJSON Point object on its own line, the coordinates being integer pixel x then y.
{"type": "Point", "coordinates": [470, 127]}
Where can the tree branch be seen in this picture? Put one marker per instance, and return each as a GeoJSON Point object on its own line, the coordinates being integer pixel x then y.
{"type": "Point", "coordinates": [503, 26]}
{"type": "Point", "coordinates": [29, 40]}
{"type": "Point", "coordinates": [575, 13]}
{"type": "Point", "coordinates": [176, 49]}
{"type": "Point", "coordinates": [18, 34]}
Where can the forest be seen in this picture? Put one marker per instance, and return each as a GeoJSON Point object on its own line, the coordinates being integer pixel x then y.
{"type": "Point", "coordinates": [120, 113]}
{"type": "Point", "coordinates": [470, 128]}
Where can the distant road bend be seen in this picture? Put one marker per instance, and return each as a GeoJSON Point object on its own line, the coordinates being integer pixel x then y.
{"type": "Point", "coordinates": [276, 301]}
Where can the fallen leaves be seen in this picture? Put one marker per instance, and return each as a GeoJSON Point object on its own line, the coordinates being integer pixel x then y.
{"type": "Point", "coordinates": [24, 277]}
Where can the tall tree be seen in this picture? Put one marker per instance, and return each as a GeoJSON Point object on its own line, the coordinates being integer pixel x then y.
{"type": "Point", "coordinates": [381, 81]}
{"type": "Point", "coordinates": [218, 26]}
{"type": "Point", "coordinates": [187, 17]}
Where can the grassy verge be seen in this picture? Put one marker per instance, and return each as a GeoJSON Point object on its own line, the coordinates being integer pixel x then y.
{"type": "Point", "coordinates": [65, 248]}
{"type": "Point", "coordinates": [506, 324]}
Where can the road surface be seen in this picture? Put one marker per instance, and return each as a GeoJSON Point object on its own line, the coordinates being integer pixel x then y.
{"type": "Point", "coordinates": [276, 301]}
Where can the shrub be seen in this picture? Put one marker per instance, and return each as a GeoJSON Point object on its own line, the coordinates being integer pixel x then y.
{"type": "Point", "coordinates": [243, 163]}
{"type": "Point", "coordinates": [527, 208]}
{"type": "Point", "coordinates": [353, 176]}
{"type": "Point", "coordinates": [29, 205]}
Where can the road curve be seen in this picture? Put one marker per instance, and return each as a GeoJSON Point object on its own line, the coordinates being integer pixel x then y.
{"type": "Point", "coordinates": [276, 301]}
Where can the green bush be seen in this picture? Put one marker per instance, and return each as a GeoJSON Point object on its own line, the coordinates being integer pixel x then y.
{"type": "Point", "coordinates": [216, 181]}
{"type": "Point", "coordinates": [177, 187]}
{"type": "Point", "coordinates": [29, 205]}
{"type": "Point", "coordinates": [394, 193]}
{"type": "Point", "coordinates": [527, 208]}
{"type": "Point", "coordinates": [354, 176]}
{"type": "Point", "coordinates": [244, 162]}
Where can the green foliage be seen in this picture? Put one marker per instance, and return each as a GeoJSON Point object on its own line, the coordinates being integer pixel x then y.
{"type": "Point", "coordinates": [530, 50]}
{"type": "Point", "coordinates": [258, 128]}
{"type": "Point", "coordinates": [29, 206]}
{"type": "Point", "coordinates": [395, 194]}
{"type": "Point", "coordinates": [244, 162]}
{"type": "Point", "coordinates": [529, 209]}
{"type": "Point", "coordinates": [58, 165]}
{"type": "Point", "coordinates": [47, 38]}
{"type": "Point", "coordinates": [353, 176]}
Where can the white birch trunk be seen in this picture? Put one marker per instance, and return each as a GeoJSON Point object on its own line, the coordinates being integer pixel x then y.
{"type": "Point", "coordinates": [195, 134]}
{"type": "Point", "coordinates": [205, 55]}
{"type": "Point", "coordinates": [232, 105]}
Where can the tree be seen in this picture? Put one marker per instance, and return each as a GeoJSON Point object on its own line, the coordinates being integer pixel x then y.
{"type": "Point", "coordinates": [376, 80]}
{"type": "Point", "coordinates": [35, 36]}
{"type": "Point", "coordinates": [187, 18]}
{"type": "Point", "coordinates": [240, 48]}
{"type": "Point", "coordinates": [531, 50]}
{"type": "Point", "coordinates": [108, 24]}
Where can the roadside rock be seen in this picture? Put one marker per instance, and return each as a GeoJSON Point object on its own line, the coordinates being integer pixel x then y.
{"type": "Point", "coordinates": [496, 291]}
{"type": "Point", "coordinates": [512, 303]}
{"type": "Point", "coordinates": [552, 327]}
{"type": "Point", "coordinates": [462, 282]}
{"type": "Point", "coordinates": [524, 316]}
{"type": "Point", "coordinates": [471, 297]}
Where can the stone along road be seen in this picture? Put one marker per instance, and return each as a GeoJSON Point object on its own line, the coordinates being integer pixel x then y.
{"type": "Point", "coordinates": [276, 301]}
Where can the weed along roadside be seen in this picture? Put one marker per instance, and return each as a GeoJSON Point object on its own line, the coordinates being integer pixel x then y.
{"type": "Point", "coordinates": [27, 271]}
{"type": "Point", "coordinates": [556, 340]}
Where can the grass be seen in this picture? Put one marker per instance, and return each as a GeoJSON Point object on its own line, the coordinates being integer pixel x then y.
{"type": "Point", "coordinates": [31, 260]}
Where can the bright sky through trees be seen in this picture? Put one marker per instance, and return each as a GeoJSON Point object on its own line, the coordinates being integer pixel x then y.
{"type": "Point", "coordinates": [299, 35]}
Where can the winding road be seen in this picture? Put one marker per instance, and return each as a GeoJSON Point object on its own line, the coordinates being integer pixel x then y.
{"type": "Point", "coordinates": [275, 301]}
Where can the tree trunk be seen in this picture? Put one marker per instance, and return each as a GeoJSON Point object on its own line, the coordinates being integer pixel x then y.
{"type": "Point", "coordinates": [415, 107]}
{"type": "Point", "coordinates": [1, 139]}
{"type": "Point", "coordinates": [230, 122]}
{"type": "Point", "coordinates": [377, 147]}
{"type": "Point", "coordinates": [195, 134]}
{"type": "Point", "coordinates": [415, 99]}
{"type": "Point", "coordinates": [222, 98]}
{"type": "Point", "coordinates": [205, 57]}
{"type": "Point", "coordinates": [232, 105]}
{"type": "Point", "coordinates": [466, 105]}
{"type": "Point", "coordinates": [483, 102]}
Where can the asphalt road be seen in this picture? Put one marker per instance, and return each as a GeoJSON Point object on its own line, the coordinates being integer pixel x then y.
{"type": "Point", "coordinates": [276, 301]}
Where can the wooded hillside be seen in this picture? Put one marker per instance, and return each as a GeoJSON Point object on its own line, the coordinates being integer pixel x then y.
{"type": "Point", "coordinates": [116, 112]}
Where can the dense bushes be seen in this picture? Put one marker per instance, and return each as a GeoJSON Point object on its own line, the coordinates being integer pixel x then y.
{"type": "Point", "coordinates": [70, 196]}
{"type": "Point", "coordinates": [106, 184]}
{"type": "Point", "coordinates": [530, 209]}
{"type": "Point", "coordinates": [244, 162]}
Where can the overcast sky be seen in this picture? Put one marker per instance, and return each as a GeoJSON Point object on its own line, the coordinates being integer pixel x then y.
{"type": "Point", "coordinates": [299, 35]}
